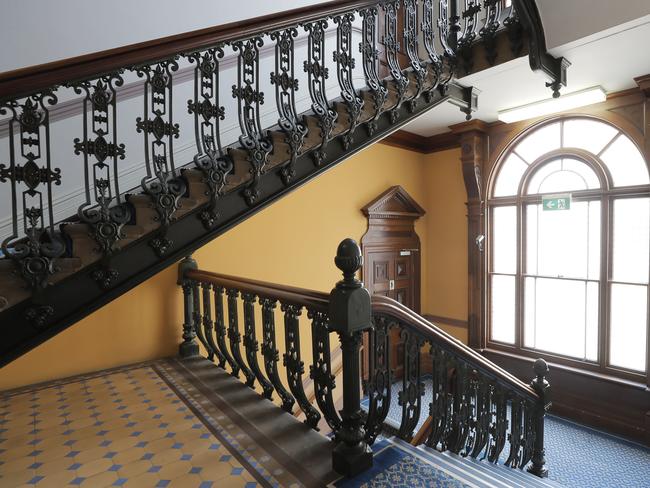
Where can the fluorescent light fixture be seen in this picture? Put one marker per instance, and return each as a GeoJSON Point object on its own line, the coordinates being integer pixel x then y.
{"type": "Point", "coordinates": [568, 101]}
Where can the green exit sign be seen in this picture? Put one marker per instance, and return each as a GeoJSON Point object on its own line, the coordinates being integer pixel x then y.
{"type": "Point", "coordinates": [556, 202]}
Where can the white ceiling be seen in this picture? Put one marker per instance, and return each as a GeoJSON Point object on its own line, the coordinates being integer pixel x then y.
{"type": "Point", "coordinates": [610, 58]}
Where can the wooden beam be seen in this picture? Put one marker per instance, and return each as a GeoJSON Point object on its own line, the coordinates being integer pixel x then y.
{"type": "Point", "coordinates": [421, 144]}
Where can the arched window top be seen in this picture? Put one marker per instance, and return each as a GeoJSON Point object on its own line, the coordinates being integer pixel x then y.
{"type": "Point", "coordinates": [605, 143]}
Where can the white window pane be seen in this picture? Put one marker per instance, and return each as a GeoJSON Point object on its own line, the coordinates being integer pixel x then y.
{"type": "Point", "coordinates": [504, 239]}
{"type": "Point", "coordinates": [564, 245]}
{"type": "Point", "coordinates": [529, 311]}
{"type": "Point", "coordinates": [625, 163]}
{"type": "Point", "coordinates": [591, 327]}
{"type": "Point", "coordinates": [585, 172]}
{"type": "Point", "coordinates": [510, 174]}
{"type": "Point", "coordinates": [541, 174]}
{"type": "Point", "coordinates": [631, 239]}
{"type": "Point", "coordinates": [628, 332]}
{"type": "Point", "coordinates": [593, 251]}
{"type": "Point", "coordinates": [562, 181]}
{"type": "Point", "coordinates": [503, 308]}
{"type": "Point", "coordinates": [531, 239]}
{"type": "Point", "coordinates": [590, 135]}
{"type": "Point", "coordinates": [539, 142]}
{"type": "Point", "coordinates": [559, 318]}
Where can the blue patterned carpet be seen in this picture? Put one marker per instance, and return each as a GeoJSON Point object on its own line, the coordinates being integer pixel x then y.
{"type": "Point", "coordinates": [577, 456]}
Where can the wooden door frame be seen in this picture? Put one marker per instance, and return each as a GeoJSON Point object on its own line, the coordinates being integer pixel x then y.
{"type": "Point", "coordinates": [391, 228]}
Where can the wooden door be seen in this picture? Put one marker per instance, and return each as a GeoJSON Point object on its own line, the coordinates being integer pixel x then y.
{"type": "Point", "coordinates": [393, 275]}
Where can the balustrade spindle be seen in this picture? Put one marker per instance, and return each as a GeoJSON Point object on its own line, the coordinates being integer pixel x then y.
{"type": "Point", "coordinates": [294, 364]}
{"type": "Point", "coordinates": [271, 354]}
{"type": "Point", "coordinates": [392, 45]}
{"type": "Point", "coordinates": [286, 86]}
{"type": "Point", "coordinates": [460, 415]}
{"type": "Point", "coordinates": [220, 331]}
{"type": "Point", "coordinates": [380, 378]}
{"type": "Point", "coordinates": [481, 418]}
{"type": "Point", "coordinates": [161, 183]}
{"type": "Point", "coordinates": [105, 212]}
{"type": "Point", "coordinates": [515, 31]}
{"type": "Point", "coordinates": [499, 425]}
{"type": "Point", "coordinates": [410, 398]}
{"type": "Point", "coordinates": [208, 326]}
{"type": "Point", "coordinates": [317, 73]}
{"type": "Point", "coordinates": [198, 319]}
{"type": "Point", "coordinates": [370, 54]}
{"type": "Point", "coordinates": [436, 63]}
{"type": "Point", "coordinates": [249, 99]}
{"type": "Point", "coordinates": [252, 346]}
{"type": "Point", "coordinates": [345, 64]}
{"type": "Point", "coordinates": [489, 30]}
{"type": "Point", "coordinates": [321, 369]}
{"type": "Point", "coordinates": [36, 253]}
{"type": "Point", "coordinates": [411, 46]}
{"type": "Point", "coordinates": [464, 46]}
{"type": "Point", "coordinates": [210, 158]}
{"type": "Point", "coordinates": [515, 436]}
{"type": "Point", "coordinates": [235, 338]}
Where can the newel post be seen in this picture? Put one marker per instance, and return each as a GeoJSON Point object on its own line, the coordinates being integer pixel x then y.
{"type": "Point", "coordinates": [542, 387]}
{"type": "Point", "coordinates": [350, 315]}
{"type": "Point", "coordinates": [189, 347]}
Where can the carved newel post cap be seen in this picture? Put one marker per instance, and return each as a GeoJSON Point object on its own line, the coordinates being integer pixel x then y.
{"type": "Point", "coordinates": [349, 307]}
{"type": "Point", "coordinates": [540, 368]}
{"type": "Point", "coordinates": [187, 263]}
{"type": "Point", "coordinates": [348, 259]}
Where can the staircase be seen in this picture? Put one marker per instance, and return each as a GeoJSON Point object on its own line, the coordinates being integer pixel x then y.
{"type": "Point", "coordinates": [65, 122]}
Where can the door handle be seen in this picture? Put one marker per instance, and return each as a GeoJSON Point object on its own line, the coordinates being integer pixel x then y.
{"type": "Point", "coordinates": [391, 284]}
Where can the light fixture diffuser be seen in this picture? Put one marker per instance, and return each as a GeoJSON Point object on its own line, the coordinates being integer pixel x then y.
{"type": "Point", "coordinates": [567, 101]}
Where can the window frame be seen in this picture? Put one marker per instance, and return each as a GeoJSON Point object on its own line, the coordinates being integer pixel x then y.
{"type": "Point", "coordinates": [607, 194]}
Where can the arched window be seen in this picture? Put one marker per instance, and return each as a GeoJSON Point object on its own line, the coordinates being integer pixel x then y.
{"type": "Point", "coordinates": [569, 246]}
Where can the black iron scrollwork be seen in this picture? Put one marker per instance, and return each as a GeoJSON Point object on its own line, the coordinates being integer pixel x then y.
{"type": "Point", "coordinates": [105, 212]}
{"type": "Point", "coordinates": [210, 158]}
{"type": "Point", "coordinates": [321, 370]}
{"type": "Point", "coordinates": [35, 247]}
{"type": "Point", "coordinates": [345, 64]}
{"type": "Point", "coordinates": [235, 339]}
{"type": "Point", "coordinates": [436, 62]}
{"type": "Point", "coordinates": [317, 73]}
{"type": "Point", "coordinates": [411, 45]}
{"type": "Point", "coordinates": [370, 55]}
{"type": "Point", "coordinates": [271, 354]}
{"type": "Point", "coordinates": [220, 332]}
{"type": "Point", "coordinates": [252, 346]}
{"type": "Point", "coordinates": [410, 397]}
{"type": "Point", "coordinates": [464, 46]}
{"type": "Point", "coordinates": [286, 86]}
{"type": "Point", "coordinates": [489, 30]}
{"type": "Point", "coordinates": [294, 364]}
{"type": "Point", "coordinates": [161, 183]}
{"type": "Point", "coordinates": [208, 326]}
{"type": "Point", "coordinates": [249, 99]}
{"type": "Point", "coordinates": [380, 378]}
{"type": "Point", "coordinates": [392, 46]}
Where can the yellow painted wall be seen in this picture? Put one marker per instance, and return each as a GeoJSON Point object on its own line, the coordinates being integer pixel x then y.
{"type": "Point", "coordinates": [292, 242]}
{"type": "Point", "coordinates": [446, 267]}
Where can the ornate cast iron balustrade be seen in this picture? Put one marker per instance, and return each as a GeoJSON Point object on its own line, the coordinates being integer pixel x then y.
{"type": "Point", "coordinates": [211, 155]}
{"type": "Point", "coordinates": [477, 409]}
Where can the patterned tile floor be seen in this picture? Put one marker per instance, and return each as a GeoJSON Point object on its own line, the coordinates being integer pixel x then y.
{"type": "Point", "coordinates": [124, 428]}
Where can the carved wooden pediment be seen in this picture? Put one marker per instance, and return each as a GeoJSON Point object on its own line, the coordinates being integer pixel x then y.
{"type": "Point", "coordinates": [394, 203]}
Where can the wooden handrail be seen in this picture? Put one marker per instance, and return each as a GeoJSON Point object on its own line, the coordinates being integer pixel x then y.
{"type": "Point", "coordinates": [290, 294]}
{"type": "Point", "coordinates": [380, 304]}
{"type": "Point", "coordinates": [23, 81]}
{"type": "Point", "coordinates": [388, 306]}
